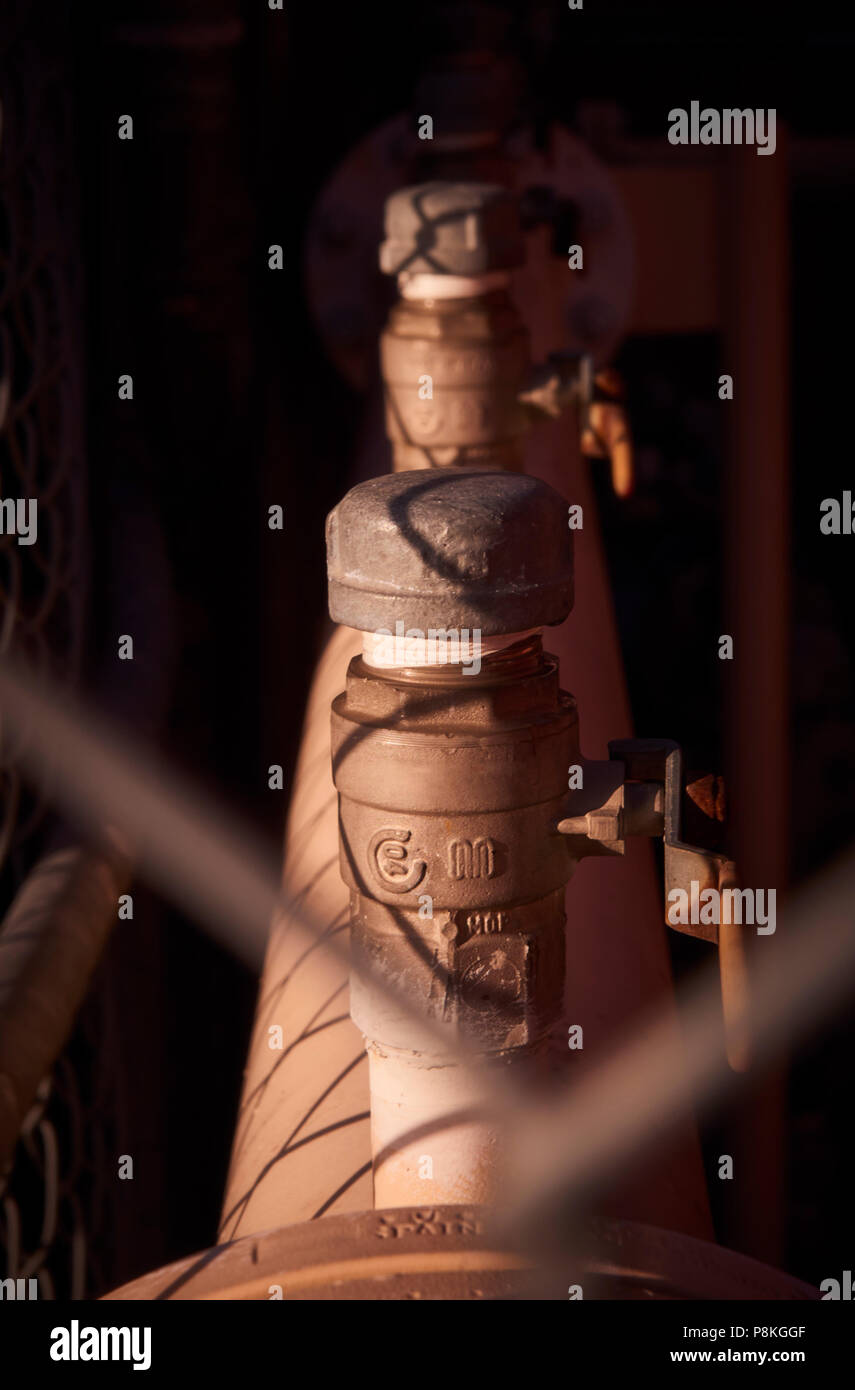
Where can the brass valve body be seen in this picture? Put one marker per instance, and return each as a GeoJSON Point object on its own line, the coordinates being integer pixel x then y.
{"type": "Point", "coordinates": [451, 787]}
{"type": "Point", "coordinates": [472, 357]}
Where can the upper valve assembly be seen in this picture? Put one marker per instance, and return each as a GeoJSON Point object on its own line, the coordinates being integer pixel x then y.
{"type": "Point", "coordinates": [460, 387]}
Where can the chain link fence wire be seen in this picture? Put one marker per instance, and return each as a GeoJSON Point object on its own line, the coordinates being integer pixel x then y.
{"type": "Point", "coordinates": [43, 1197]}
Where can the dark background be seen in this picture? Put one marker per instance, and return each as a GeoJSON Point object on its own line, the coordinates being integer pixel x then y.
{"type": "Point", "coordinates": [236, 408]}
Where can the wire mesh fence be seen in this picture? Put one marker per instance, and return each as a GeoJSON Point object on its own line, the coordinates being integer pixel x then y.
{"type": "Point", "coordinates": [42, 570]}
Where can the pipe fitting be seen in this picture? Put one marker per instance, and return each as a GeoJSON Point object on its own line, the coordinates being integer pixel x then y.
{"type": "Point", "coordinates": [453, 370]}
{"type": "Point", "coordinates": [457, 551]}
{"type": "Point", "coordinates": [452, 229]}
{"type": "Point", "coordinates": [455, 351]}
{"type": "Point", "coordinates": [449, 798]}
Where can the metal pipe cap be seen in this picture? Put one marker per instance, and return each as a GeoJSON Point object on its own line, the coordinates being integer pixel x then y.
{"type": "Point", "coordinates": [467, 549]}
{"type": "Point", "coordinates": [452, 229]}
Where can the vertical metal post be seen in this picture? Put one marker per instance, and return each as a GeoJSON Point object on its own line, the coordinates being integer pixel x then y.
{"type": "Point", "coordinates": [756, 354]}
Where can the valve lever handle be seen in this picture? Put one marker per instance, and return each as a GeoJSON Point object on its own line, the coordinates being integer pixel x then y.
{"type": "Point", "coordinates": [685, 864]}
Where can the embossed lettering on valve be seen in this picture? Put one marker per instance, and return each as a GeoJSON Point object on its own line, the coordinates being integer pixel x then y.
{"type": "Point", "coordinates": [390, 862]}
{"type": "Point", "coordinates": [472, 858]}
{"type": "Point", "coordinates": [486, 923]}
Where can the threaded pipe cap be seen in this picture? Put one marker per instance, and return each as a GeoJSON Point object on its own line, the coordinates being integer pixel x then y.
{"type": "Point", "coordinates": [451, 229]}
{"type": "Point", "coordinates": [467, 549]}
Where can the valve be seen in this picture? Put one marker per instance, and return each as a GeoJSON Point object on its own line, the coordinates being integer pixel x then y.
{"type": "Point", "coordinates": [450, 771]}
{"type": "Point", "coordinates": [460, 387]}
{"type": "Point", "coordinates": [450, 750]}
{"type": "Point", "coordinates": [451, 745]}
